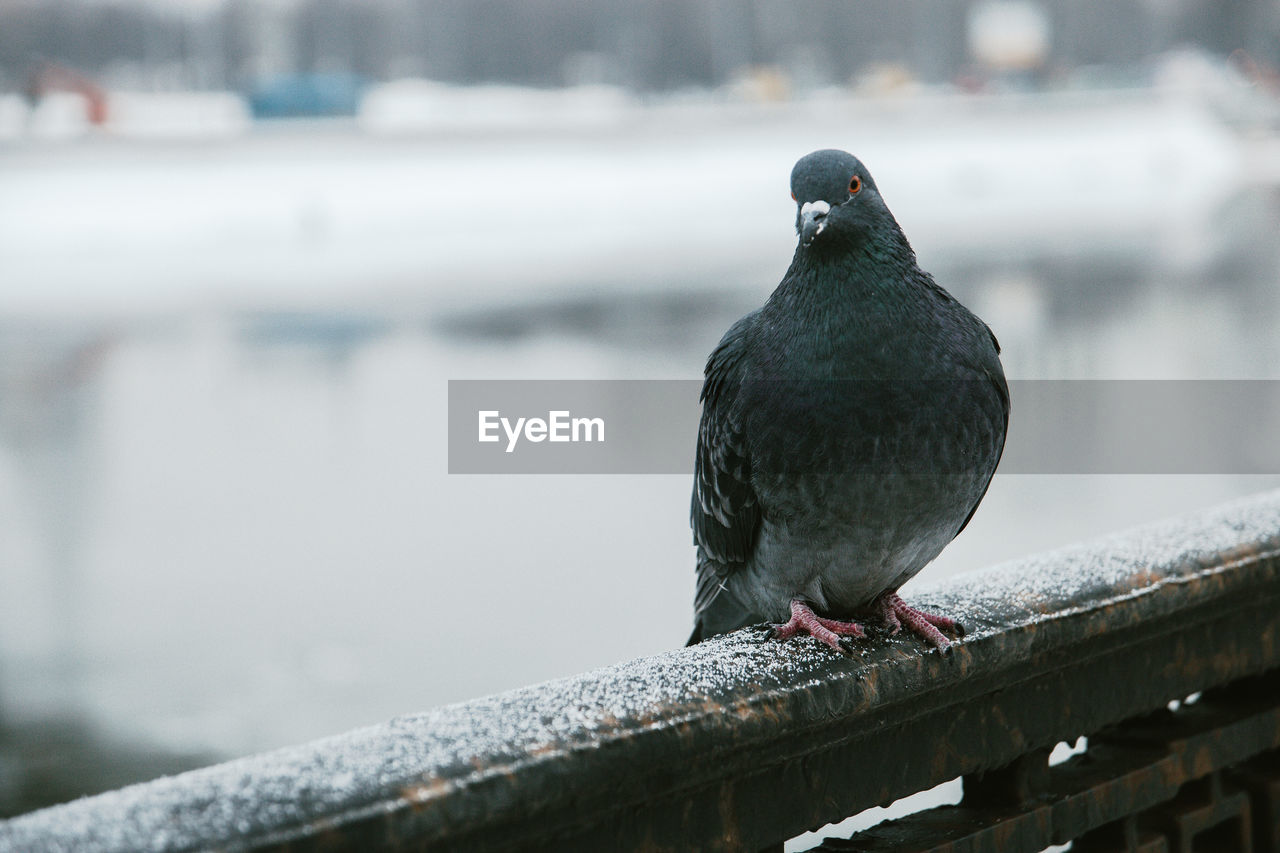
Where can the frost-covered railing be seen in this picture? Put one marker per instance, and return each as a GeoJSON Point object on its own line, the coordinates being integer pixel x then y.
{"type": "Point", "coordinates": [740, 743]}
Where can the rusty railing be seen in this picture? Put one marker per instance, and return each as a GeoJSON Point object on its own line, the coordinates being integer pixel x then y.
{"type": "Point", "coordinates": [740, 743]}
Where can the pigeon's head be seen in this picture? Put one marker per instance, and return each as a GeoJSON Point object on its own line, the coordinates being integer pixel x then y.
{"type": "Point", "coordinates": [835, 198]}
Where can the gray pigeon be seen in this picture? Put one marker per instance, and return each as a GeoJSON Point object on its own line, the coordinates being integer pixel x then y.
{"type": "Point", "coordinates": [850, 428]}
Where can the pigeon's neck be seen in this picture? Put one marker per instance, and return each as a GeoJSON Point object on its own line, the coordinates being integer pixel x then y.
{"type": "Point", "coordinates": [832, 304]}
{"type": "Point", "coordinates": [829, 283]}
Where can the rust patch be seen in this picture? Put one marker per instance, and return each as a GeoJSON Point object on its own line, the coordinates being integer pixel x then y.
{"type": "Point", "coordinates": [730, 837]}
{"type": "Point", "coordinates": [1144, 578]}
{"type": "Point", "coordinates": [419, 795]}
{"type": "Point", "coordinates": [1201, 762]}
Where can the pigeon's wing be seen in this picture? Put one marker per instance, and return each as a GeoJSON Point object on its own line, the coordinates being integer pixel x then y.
{"type": "Point", "coordinates": [996, 377]}
{"type": "Point", "coordinates": [725, 513]}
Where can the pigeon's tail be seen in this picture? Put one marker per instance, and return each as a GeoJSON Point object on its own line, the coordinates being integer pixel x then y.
{"type": "Point", "coordinates": [721, 615]}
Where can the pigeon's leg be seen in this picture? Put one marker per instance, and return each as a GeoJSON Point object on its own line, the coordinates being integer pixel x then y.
{"type": "Point", "coordinates": [891, 620]}
{"type": "Point", "coordinates": [804, 620]}
{"type": "Point", "coordinates": [895, 612]}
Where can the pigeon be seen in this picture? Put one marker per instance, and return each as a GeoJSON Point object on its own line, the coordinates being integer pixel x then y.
{"type": "Point", "coordinates": [850, 427]}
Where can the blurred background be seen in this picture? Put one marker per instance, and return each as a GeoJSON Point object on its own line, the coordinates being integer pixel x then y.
{"type": "Point", "coordinates": [245, 243]}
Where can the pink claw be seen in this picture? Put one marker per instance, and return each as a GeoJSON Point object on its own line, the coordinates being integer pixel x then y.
{"type": "Point", "coordinates": [804, 620]}
{"type": "Point", "coordinates": [895, 612]}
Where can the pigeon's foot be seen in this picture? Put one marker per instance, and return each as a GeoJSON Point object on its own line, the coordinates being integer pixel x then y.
{"type": "Point", "coordinates": [805, 621]}
{"type": "Point", "coordinates": [895, 612]}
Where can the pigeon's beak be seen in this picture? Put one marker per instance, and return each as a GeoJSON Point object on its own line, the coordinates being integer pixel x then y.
{"type": "Point", "coordinates": [813, 218]}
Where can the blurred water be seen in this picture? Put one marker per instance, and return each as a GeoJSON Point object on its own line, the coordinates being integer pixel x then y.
{"type": "Point", "coordinates": [225, 518]}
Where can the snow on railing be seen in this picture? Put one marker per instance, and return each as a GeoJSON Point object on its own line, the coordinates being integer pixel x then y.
{"type": "Point", "coordinates": [742, 742]}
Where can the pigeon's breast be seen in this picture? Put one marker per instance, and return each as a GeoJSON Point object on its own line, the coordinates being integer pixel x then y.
{"type": "Point", "coordinates": [862, 482]}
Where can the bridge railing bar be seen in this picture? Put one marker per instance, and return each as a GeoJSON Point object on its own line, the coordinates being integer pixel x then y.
{"type": "Point", "coordinates": [742, 742]}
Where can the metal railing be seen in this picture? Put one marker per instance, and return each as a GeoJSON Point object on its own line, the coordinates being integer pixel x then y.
{"type": "Point", "coordinates": [742, 742]}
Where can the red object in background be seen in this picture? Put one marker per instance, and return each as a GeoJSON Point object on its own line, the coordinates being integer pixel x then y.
{"type": "Point", "coordinates": [52, 77]}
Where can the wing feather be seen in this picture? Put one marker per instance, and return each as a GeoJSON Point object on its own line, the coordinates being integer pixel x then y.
{"type": "Point", "coordinates": [725, 512]}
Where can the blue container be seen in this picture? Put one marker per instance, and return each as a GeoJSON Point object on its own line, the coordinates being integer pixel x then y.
{"type": "Point", "coordinates": [306, 95]}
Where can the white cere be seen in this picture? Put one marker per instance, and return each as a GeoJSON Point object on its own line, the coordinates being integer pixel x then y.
{"type": "Point", "coordinates": [819, 207]}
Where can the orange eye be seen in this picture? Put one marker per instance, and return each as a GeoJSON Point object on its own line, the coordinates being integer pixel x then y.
{"type": "Point", "coordinates": [855, 185]}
